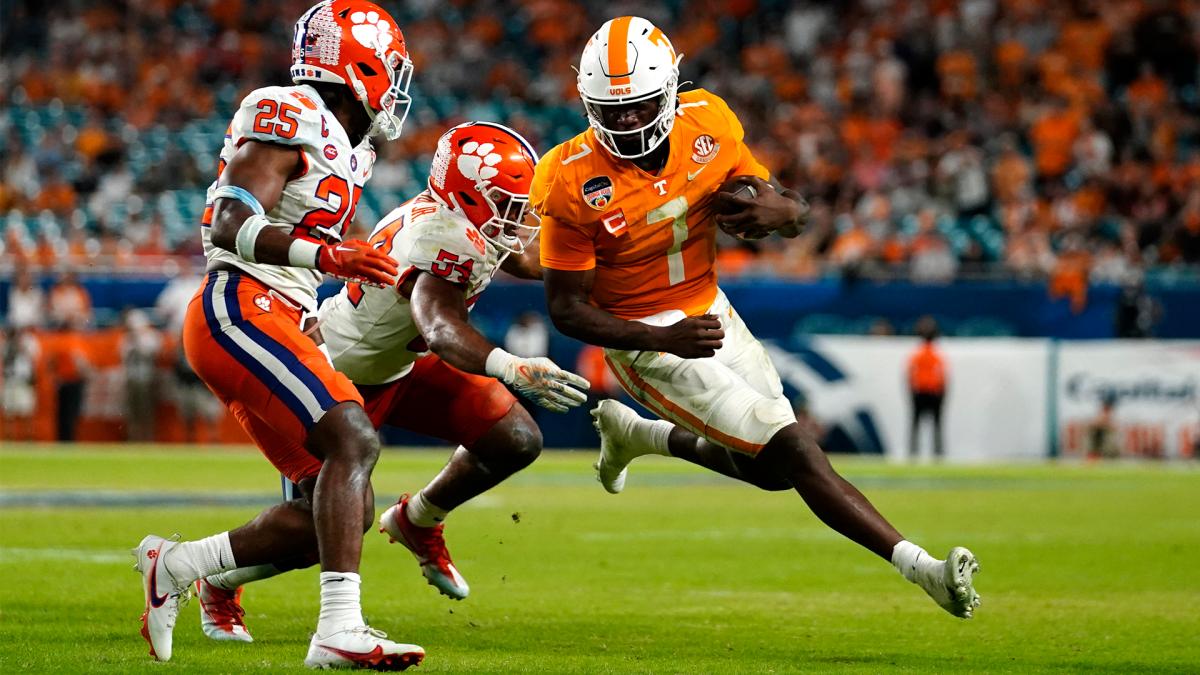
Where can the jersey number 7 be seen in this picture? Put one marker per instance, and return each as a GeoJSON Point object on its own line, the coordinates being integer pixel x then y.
{"type": "Point", "coordinates": [675, 211]}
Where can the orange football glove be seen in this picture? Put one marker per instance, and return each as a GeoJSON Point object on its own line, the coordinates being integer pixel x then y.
{"type": "Point", "coordinates": [356, 260]}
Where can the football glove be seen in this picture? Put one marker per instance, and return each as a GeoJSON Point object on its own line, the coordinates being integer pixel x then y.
{"type": "Point", "coordinates": [539, 380]}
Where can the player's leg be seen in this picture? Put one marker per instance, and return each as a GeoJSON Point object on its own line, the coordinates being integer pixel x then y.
{"type": "Point", "coordinates": [915, 427]}
{"type": "Point", "coordinates": [260, 360]}
{"type": "Point", "coordinates": [497, 438]}
{"type": "Point", "coordinates": [935, 405]}
{"type": "Point", "coordinates": [281, 538]}
{"type": "Point", "coordinates": [733, 403]}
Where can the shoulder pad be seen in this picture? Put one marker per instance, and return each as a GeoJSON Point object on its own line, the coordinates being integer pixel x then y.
{"type": "Point", "coordinates": [551, 193]}
{"type": "Point", "coordinates": [284, 115]}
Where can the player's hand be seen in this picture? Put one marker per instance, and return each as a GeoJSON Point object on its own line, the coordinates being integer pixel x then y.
{"type": "Point", "coordinates": [696, 337]}
{"type": "Point", "coordinates": [539, 379]}
{"type": "Point", "coordinates": [783, 212]}
{"type": "Point", "coordinates": [356, 260]}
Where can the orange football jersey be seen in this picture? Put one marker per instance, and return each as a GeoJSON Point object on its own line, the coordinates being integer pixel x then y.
{"type": "Point", "coordinates": [651, 238]}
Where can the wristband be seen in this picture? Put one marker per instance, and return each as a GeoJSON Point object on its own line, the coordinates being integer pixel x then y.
{"type": "Point", "coordinates": [303, 254]}
{"type": "Point", "coordinates": [240, 194]}
{"type": "Point", "coordinates": [497, 362]}
{"type": "Point", "coordinates": [247, 236]}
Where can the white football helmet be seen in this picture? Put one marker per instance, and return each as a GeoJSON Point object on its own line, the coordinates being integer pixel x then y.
{"type": "Point", "coordinates": [626, 61]}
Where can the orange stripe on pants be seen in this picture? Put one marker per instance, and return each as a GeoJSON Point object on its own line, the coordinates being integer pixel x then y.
{"type": "Point", "coordinates": [686, 418]}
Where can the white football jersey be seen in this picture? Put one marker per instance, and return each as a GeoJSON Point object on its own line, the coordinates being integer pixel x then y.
{"type": "Point", "coordinates": [318, 202]}
{"type": "Point", "coordinates": [369, 331]}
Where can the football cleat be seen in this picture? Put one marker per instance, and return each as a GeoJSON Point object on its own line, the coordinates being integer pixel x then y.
{"type": "Point", "coordinates": [614, 421]}
{"type": "Point", "coordinates": [163, 594]}
{"type": "Point", "coordinates": [952, 585]}
{"type": "Point", "coordinates": [428, 546]}
{"type": "Point", "coordinates": [361, 647]}
{"type": "Point", "coordinates": [221, 613]}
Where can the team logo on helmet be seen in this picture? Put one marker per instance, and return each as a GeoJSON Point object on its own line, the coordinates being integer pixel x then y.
{"type": "Point", "coordinates": [704, 149]}
{"type": "Point", "coordinates": [598, 192]}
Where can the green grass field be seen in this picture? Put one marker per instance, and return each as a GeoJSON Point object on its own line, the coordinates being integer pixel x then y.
{"type": "Point", "coordinates": [1084, 568]}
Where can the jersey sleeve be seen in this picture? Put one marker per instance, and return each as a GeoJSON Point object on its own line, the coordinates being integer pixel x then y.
{"type": "Point", "coordinates": [746, 164]}
{"type": "Point", "coordinates": [277, 115]}
{"type": "Point", "coordinates": [566, 243]}
{"type": "Point", "coordinates": [445, 248]}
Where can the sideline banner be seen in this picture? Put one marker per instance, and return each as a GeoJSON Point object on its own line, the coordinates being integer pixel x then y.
{"type": "Point", "coordinates": [1128, 398]}
{"type": "Point", "coordinates": [996, 404]}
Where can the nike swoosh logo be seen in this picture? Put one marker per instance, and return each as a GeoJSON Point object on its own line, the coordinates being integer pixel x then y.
{"type": "Point", "coordinates": [369, 657]}
{"type": "Point", "coordinates": [155, 600]}
{"type": "Point", "coordinates": [692, 174]}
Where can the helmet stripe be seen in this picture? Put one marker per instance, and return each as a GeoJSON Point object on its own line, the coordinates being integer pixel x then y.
{"type": "Point", "coordinates": [618, 50]}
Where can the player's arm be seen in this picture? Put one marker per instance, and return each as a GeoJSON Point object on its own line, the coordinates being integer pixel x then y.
{"type": "Point", "coordinates": [440, 313]}
{"type": "Point", "coordinates": [775, 209]}
{"type": "Point", "coordinates": [527, 265]}
{"type": "Point", "coordinates": [567, 296]}
{"type": "Point", "coordinates": [250, 186]}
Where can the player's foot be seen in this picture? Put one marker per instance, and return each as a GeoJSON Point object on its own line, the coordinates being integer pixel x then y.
{"type": "Point", "coordinates": [951, 585]}
{"type": "Point", "coordinates": [361, 647]}
{"type": "Point", "coordinates": [428, 546]}
{"type": "Point", "coordinates": [221, 613]}
{"type": "Point", "coordinates": [615, 422]}
{"type": "Point", "coordinates": [163, 594]}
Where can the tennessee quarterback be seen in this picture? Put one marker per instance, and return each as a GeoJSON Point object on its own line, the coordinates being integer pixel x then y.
{"type": "Point", "coordinates": [630, 209]}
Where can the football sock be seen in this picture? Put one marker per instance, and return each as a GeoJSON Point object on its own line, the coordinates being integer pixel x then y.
{"type": "Point", "coordinates": [914, 562]}
{"type": "Point", "coordinates": [341, 606]}
{"type": "Point", "coordinates": [241, 576]}
{"type": "Point", "coordinates": [191, 560]}
{"type": "Point", "coordinates": [424, 513]}
{"type": "Point", "coordinates": [653, 435]}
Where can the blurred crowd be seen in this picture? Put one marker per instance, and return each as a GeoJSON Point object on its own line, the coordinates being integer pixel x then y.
{"type": "Point", "coordinates": [934, 138]}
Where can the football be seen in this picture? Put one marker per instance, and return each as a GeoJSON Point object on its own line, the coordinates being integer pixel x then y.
{"type": "Point", "coordinates": [738, 188]}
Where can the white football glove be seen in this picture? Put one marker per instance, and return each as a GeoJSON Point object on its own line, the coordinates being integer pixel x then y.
{"type": "Point", "coordinates": [539, 380]}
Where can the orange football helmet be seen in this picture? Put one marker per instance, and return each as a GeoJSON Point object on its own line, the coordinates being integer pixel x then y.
{"type": "Point", "coordinates": [358, 44]}
{"type": "Point", "coordinates": [483, 171]}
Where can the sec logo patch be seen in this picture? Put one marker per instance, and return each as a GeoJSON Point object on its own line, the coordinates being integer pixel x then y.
{"type": "Point", "coordinates": [598, 192]}
{"type": "Point", "coordinates": [704, 149]}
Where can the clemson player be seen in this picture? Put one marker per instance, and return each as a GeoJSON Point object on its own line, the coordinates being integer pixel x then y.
{"type": "Point", "coordinates": [628, 232]}
{"type": "Point", "coordinates": [417, 360]}
{"type": "Point", "coordinates": [290, 173]}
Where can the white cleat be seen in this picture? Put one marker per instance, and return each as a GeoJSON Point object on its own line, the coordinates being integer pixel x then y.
{"type": "Point", "coordinates": [163, 594]}
{"type": "Point", "coordinates": [953, 587]}
{"type": "Point", "coordinates": [614, 421]}
{"type": "Point", "coordinates": [361, 647]}
{"type": "Point", "coordinates": [221, 613]}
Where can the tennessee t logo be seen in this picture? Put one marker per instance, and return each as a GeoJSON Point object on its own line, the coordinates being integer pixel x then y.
{"type": "Point", "coordinates": [661, 186]}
